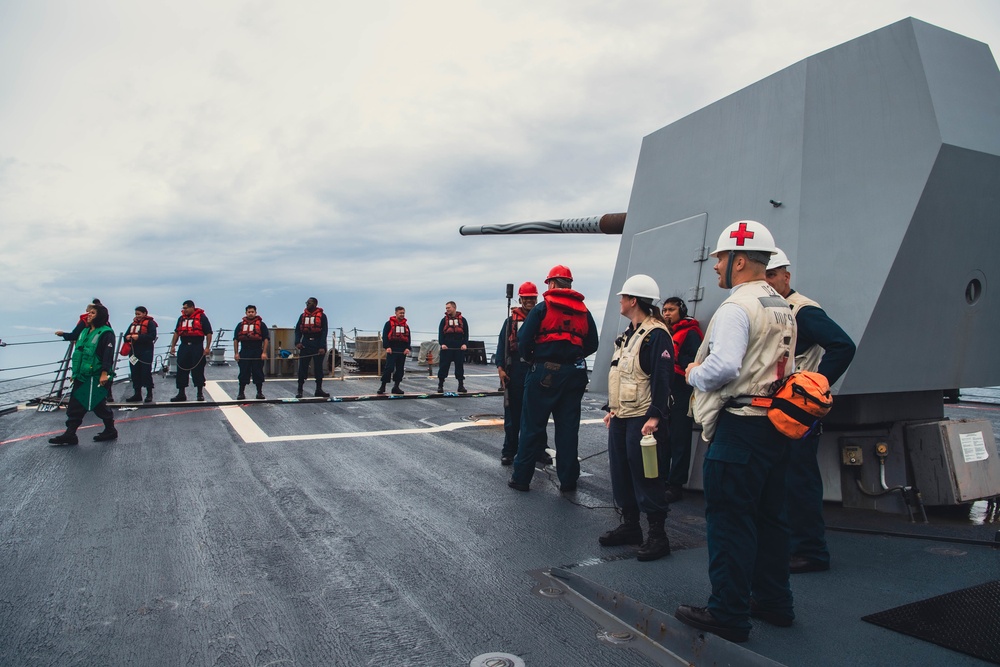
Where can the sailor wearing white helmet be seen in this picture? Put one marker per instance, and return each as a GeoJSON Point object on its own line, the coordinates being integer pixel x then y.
{"type": "Point", "coordinates": [748, 347]}
{"type": "Point", "coordinates": [821, 346]}
{"type": "Point", "coordinates": [638, 397]}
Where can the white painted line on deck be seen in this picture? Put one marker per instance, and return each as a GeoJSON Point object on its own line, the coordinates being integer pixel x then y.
{"type": "Point", "coordinates": [248, 430]}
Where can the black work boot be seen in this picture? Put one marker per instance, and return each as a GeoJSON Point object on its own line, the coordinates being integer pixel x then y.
{"type": "Point", "coordinates": [319, 391]}
{"type": "Point", "coordinates": [656, 545]}
{"type": "Point", "coordinates": [461, 387]}
{"type": "Point", "coordinates": [260, 391]}
{"type": "Point", "coordinates": [134, 398]}
{"type": "Point", "coordinates": [396, 390]}
{"type": "Point", "coordinates": [628, 532]}
{"type": "Point", "coordinates": [109, 433]}
{"type": "Point", "coordinates": [67, 438]}
{"type": "Point", "coordinates": [149, 396]}
{"type": "Point", "coordinates": [440, 386]}
{"type": "Point", "coordinates": [242, 395]}
{"type": "Point", "coordinates": [675, 492]}
{"type": "Point", "coordinates": [181, 396]}
{"type": "Point", "coordinates": [201, 393]}
{"type": "Point", "coordinates": [298, 392]}
{"type": "Point", "coordinates": [381, 389]}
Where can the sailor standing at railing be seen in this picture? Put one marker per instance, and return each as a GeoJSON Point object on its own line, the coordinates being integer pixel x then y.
{"type": "Point", "coordinates": [453, 332]}
{"type": "Point", "coordinates": [250, 341]}
{"type": "Point", "coordinates": [92, 367]}
{"type": "Point", "coordinates": [141, 336]}
{"type": "Point", "coordinates": [194, 332]}
{"type": "Point", "coordinates": [81, 323]}
{"type": "Point", "coordinates": [396, 340]}
{"type": "Point", "coordinates": [310, 339]}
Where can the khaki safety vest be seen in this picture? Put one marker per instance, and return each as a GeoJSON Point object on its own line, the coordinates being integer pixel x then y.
{"type": "Point", "coordinates": [629, 390]}
{"type": "Point", "coordinates": [768, 357]}
{"type": "Point", "coordinates": [810, 358]}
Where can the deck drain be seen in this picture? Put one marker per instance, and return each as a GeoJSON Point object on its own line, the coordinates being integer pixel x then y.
{"type": "Point", "coordinates": [945, 551]}
{"type": "Point", "coordinates": [622, 637]}
{"type": "Point", "coordinates": [550, 591]}
{"type": "Point", "coordinates": [496, 660]}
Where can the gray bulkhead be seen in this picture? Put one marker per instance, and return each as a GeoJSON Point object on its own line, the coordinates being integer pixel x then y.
{"type": "Point", "coordinates": [884, 153]}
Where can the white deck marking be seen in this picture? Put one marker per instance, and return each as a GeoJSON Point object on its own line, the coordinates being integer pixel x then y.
{"type": "Point", "coordinates": [238, 418]}
{"type": "Point", "coordinates": [247, 428]}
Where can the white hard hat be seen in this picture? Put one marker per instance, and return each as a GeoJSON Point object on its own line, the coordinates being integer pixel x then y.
{"type": "Point", "coordinates": [642, 286]}
{"type": "Point", "coordinates": [746, 235]}
{"type": "Point", "coordinates": [778, 260]}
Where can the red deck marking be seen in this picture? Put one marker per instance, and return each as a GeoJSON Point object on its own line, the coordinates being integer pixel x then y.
{"type": "Point", "coordinates": [117, 421]}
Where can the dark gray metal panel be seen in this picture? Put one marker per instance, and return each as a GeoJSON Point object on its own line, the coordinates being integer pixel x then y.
{"type": "Point", "coordinates": [923, 334]}
{"type": "Point", "coordinates": [725, 161]}
{"type": "Point", "coordinates": [964, 85]}
{"type": "Point", "coordinates": [672, 254]}
{"type": "Point", "coordinates": [870, 142]}
{"type": "Point", "coordinates": [868, 146]}
{"type": "Point", "coordinates": [669, 255]}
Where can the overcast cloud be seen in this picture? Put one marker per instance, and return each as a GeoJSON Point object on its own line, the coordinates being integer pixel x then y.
{"type": "Point", "coordinates": [238, 152]}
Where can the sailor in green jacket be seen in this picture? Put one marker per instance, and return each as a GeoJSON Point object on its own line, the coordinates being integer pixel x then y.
{"type": "Point", "coordinates": [93, 367]}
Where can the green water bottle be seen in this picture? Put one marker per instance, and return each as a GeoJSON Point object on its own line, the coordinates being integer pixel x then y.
{"type": "Point", "coordinates": [650, 467]}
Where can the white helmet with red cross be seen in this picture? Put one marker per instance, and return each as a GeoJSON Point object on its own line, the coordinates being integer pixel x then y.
{"type": "Point", "coordinates": [745, 235]}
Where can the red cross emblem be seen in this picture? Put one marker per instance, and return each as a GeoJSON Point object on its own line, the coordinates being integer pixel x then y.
{"type": "Point", "coordinates": [741, 234]}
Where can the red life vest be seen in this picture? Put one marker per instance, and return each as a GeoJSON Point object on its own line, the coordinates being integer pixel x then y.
{"type": "Point", "coordinates": [680, 334]}
{"type": "Point", "coordinates": [453, 324]}
{"type": "Point", "coordinates": [399, 329]}
{"type": "Point", "coordinates": [517, 315]}
{"type": "Point", "coordinates": [312, 321]}
{"type": "Point", "coordinates": [83, 319]}
{"type": "Point", "coordinates": [251, 329]}
{"type": "Point", "coordinates": [140, 325]}
{"type": "Point", "coordinates": [565, 317]}
{"type": "Point", "coordinates": [191, 326]}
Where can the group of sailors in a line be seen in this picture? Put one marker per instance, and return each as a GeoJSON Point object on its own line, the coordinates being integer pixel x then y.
{"type": "Point", "coordinates": [93, 361]}
{"type": "Point", "coordinates": [191, 345]}
{"type": "Point", "coordinates": [763, 491]}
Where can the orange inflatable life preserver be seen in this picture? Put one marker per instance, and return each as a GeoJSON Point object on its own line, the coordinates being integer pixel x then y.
{"type": "Point", "coordinates": [680, 334]}
{"type": "Point", "coordinates": [191, 326]}
{"type": "Point", "coordinates": [312, 321]}
{"type": "Point", "coordinates": [399, 329]}
{"type": "Point", "coordinates": [453, 324]}
{"type": "Point", "coordinates": [140, 326]}
{"type": "Point", "coordinates": [565, 317]}
{"type": "Point", "coordinates": [517, 316]}
{"type": "Point", "coordinates": [250, 329]}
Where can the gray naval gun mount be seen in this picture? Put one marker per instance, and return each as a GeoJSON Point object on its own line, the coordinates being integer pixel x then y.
{"type": "Point", "coordinates": [876, 165]}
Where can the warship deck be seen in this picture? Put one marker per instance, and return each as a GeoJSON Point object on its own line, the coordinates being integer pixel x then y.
{"type": "Point", "coordinates": [382, 532]}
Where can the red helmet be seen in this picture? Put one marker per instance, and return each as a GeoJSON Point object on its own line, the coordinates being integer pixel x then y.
{"type": "Point", "coordinates": [527, 289]}
{"type": "Point", "coordinates": [559, 271]}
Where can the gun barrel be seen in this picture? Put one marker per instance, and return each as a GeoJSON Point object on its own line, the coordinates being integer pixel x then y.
{"type": "Point", "coordinates": [609, 223]}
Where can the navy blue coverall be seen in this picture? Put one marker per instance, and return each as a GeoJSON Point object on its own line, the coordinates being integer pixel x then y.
{"type": "Point", "coordinates": [311, 344]}
{"type": "Point", "coordinates": [517, 370]}
{"type": "Point", "coordinates": [805, 482]}
{"type": "Point", "coordinates": [633, 491]}
{"type": "Point", "coordinates": [554, 385]}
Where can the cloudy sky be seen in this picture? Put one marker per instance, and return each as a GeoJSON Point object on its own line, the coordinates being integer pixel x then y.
{"type": "Point", "coordinates": [255, 151]}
